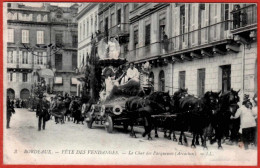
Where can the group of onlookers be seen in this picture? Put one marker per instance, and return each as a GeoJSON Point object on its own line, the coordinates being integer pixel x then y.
{"type": "Point", "coordinates": [20, 103]}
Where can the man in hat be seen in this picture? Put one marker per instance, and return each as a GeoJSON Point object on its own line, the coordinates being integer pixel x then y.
{"type": "Point", "coordinates": [9, 111]}
{"type": "Point", "coordinates": [41, 112]}
{"type": "Point", "coordinates": [247, 121]}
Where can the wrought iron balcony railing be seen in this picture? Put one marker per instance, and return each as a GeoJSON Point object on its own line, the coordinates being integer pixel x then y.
{"type": "Point", "coordinates": [122, 28]}
{"type": "Point", "coordinates": [244, 17]}
{"type": "Point", "coordinates": [212, 34]}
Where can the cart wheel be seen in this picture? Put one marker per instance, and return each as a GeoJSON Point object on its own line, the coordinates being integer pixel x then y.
{"type": "Point", "coordinates": [125, 126]}
{"type": "Point", "coordinates": [89, 121]}
{"type": "Point", "coordinates": [109, 124]}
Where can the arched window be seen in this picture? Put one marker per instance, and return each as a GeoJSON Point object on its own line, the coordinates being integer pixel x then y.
{"type": "Point", "coordinates": [11, 93]}
{"type": "Point", "coordinates": [151, 80]}
{"type": "Point", "coordinates": [24, 94]}
{"type": "Point", "coordinates": [161, 81]}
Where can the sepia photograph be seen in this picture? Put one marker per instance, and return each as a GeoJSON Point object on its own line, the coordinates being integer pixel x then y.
{"type": "Point", "coordinates": [114, 83]}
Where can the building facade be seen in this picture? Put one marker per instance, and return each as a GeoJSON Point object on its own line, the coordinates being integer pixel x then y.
{"type": "Point", "coordinates": [87, 19]}
{"type": "Point", "coordinates": [196, 46]}
{"type": "Point", "coordinates": [33, 45]}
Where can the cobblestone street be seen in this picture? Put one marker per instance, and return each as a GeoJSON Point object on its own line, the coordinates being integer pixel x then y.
{"type": "Point", "coordinates": [71, 143]}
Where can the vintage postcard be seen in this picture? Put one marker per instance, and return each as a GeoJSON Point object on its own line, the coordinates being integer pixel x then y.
{"type": "Point", "coordinates": [130, 83]}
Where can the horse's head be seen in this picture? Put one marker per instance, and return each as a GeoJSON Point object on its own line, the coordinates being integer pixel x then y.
{"type": "Point", "coordinates": [162, 98]}
{"type": "Point", "coordinates": [212, 100]}
{"type": "Point", "coordinates": [181, 93]}
{"type": "Point", "coordinates": [229, 101]}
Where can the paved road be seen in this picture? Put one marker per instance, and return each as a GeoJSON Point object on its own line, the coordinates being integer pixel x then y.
{"type": "Point", "coordinates": [71, 143]}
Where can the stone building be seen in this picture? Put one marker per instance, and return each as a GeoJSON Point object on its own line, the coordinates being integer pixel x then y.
{"type": "Point", "coordinates": [196, 46]}
{"type": "Point", "coordinates": [40, 38]}
{"type": "Point", "coordinates": [87, 19]}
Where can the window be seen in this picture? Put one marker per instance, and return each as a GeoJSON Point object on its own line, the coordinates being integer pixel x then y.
{"type": "Point", "coordinates": [9, 5]}
{"type": "Point", "coordinates": [182, 24]}
{"type": "Point", "coordinates": [201, 82]}
{"type": "Point", "coordinates": [59, 39]}
{"type": "Point", "coordinates": [58, 61]}
{"type": "Point", "coordinates": [101, 27]}
{"type": "Point", "coordinates": [118, 16]}
{"type": "Point", "coordinates": [59, 14]}
{"type": "Point", "coordinates": [25, 36]}
{"type": "Point", "coordinates": [135, 39]}
{"type": "Point", "coordinates": [136, 5]}
{"type": "Point", "coordinates": [25, 57]}
{"type": "Point", "coordinates": [40, 58]}
{"type": "Point", "coordinates": [25, 77]}
{"type": "Point", "coordinates": [151, 80]}
{"type": "Point", "coordinates": [226, 78]}
{"type": "Point", "coordinates": [161, 28]}
{"type": "Point", "coordinates": [75, 41]}
{"type": "Point", "coordinates": [147, 34]}
{"type": "Point", "coordinates": [74, 61]}
{"type": "Point", "coordinates": [226, 16]}
{"type": "Point", "coordinates": [10, 36]}
{"type": "Point", "coordinates": [40, 37]}
{"type": "Point", "coordinates": [182, 79]}
{"type": "Point", "coordinates": [161, 81]}
{"type": "Point", "coordinates": [10, 57]}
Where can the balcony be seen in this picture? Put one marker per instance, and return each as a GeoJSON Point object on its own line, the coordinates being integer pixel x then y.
{"type": "Point", "coordinates": [244, 19]}
{"type": "Point", "coordinates": [143, 53]}
{"type": "Point", "coordinates": [119, 30]}
{"type": "Point", "coordinates": [205, 37]}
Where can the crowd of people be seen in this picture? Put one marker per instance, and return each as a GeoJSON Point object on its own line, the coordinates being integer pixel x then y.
{"type": "Point", "coordinates": [61, 108]}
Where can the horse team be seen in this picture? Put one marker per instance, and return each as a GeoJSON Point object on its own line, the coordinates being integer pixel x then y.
{"type": "Point", "coordinates": [184, 112]}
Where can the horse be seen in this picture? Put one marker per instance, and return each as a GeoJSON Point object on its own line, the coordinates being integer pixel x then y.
{"type": "Point", "coordinates": [193, 114]}
{"type": "Point", "coordinates": [221, 120]}
{"type": "Point", "coordinates": [166, 122]}
{"type": "Point", "coordinates": [144, 107]}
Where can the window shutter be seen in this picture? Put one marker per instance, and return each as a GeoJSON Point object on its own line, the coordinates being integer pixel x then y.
{"type": "Point", "coordinates": [44, 58]}
{"type": "Point", "coordinates": [206, 35]}
{"type": "Point", "coordinates": [20, 77]}
{"type": "Point", "coordinates": [27, 35]}
{"type": "Point", "coordinates": [23, 41]}
{"type": "Point", "coordinates": [35, 58]}
{"type": "Point", "coordinates": [14, 77]}
{"type": "Point", "coordinates": [20, 57]}
{"type": "Point", "coordinates": [29, 76]}
{"type": "Point", "coordinates": [14, 56]}
{"type": "Point", "coordinates": [38, 37]}
{"type": "Point", "coordinates": [177, 27]}
{"type": "Point", "coordinates": [187, 14]}
{"type": "Point", "coordinates": [29, 58]}
{"type": "Point", "coordinates": [42, 37]}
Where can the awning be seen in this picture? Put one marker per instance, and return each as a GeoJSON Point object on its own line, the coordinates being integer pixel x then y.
{"type": "Point", "coordinates": [46, 73]}
{"type": "Point", "coordinates": [74, 81]}
{"type": "Point", "coordinates": [58, 80]}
